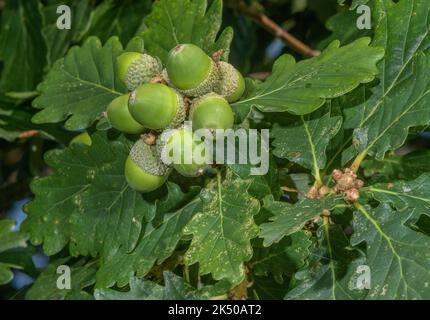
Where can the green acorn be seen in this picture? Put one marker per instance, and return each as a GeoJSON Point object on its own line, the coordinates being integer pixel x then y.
{"type": "Point", "coordinates": [120, 118]}
{"type": "Point", "coordinates": [183, 152]}
{"type": "Point", "coordinates": [191, 70]}
{"type": "Point", "coordinates": [211, 112]}
{"type": "Point", "coordinates": [232, 84]}
{"type": "Point", "coordinates": [156, 106]}
{"type": "Point", "coordinates": [83, 138]}
{"type": "Point", "coordinates": [136, 68]}
{"type": "Point", "coordinates": [144, 170]}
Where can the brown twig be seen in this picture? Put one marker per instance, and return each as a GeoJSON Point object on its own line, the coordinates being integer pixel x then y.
{"type": "Point", "coordinates": [273, 27]}
{"type": "Point", "coordinates": [28, 134]}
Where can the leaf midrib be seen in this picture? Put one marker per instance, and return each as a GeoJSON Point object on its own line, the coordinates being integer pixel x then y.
{"type": "Point", "coordinates": [383, 235]}
{"type": "Point", "coordinates": [401, 70]}
{"type": "Point", "coordinates": [399, 194]}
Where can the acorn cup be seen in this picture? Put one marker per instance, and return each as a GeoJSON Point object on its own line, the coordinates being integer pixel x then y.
{"type": "Point", "coordinates": [144, 170]}
{"type": "Point", "coordinates": [232, 84]}
{"type": "Point", "coordinates": [191, 71]}
{"type": "Point", "coordinates": [136, 68]}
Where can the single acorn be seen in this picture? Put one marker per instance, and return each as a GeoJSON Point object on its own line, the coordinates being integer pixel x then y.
{"type": "Point", "coordinates": [136, 68]}
{"type": "Point", "coordinates": [181, 150]}
{"type": "Point", "coordinates": [144, 170]}
{"type": "Point", "coordinates": [156, 106]}
{"type": "Point", "coordinates": [211, 112]}
{"type": "Point", "coordinates": [191, 70]}
{"type": "Point", "coordinates": [120, 118]}
{"type": "Point", "coordinates": [83, 138]}
{"type": "Point", "coordinates": [232, 84]}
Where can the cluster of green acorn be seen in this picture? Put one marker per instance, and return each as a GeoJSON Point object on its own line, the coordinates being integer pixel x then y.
{"type": "Point", "coordinates": [192, 86]}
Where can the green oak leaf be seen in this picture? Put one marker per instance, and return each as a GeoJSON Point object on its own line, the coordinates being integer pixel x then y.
{"type": "Point", "coordinates": [398, 257]}
{"type": "Point", "coordinates": [283, 258]}
{"type": "Point", "coordinates": [410, 196]}
{"type": "Point", "coordinates": [222, 230]}
{"type": "Point", "coordinates": [87, 201]}
{"type": "Point", "coordinates": [155, 245]}
{"type": "Point", "coordinates": [263, 183]}
{"type": "Point", "coordinates": [400, 99]}
{"type": "Point", "coordinates": [78, 295]}
{"type": "Point", "coordinates": [14, 120]}
{"type": "Point", "coordinates": [80, 86]}
{"type": "Point", "coordinates": [82, 275]}
{"type": "Point", "coordinates": [139, 290]}
{"type": "Point", "coordinates": [343, 26]}
{"type": "Point", "coordinates": [59, 41]}
{"type": "Point", "coordinates": [354, 4]}
{"type": "Point", "coordinates": [302, 87]}
{"type": "Point", "coordinates": [306, 139]}
{"type": "Point", "coordinates": [9, 240]}
{"type": "Point", "coordinates": [22, 47]}
{"type": "Point", "coordinates": [332, 273]}
{"type": "Point", "coordinates": [186, 21]}
{"type": "Point", "coordinates": [289, 218]}
{"type": "Point", "coordinates": [122, 18]}
{"type": "Point", "coordinates": [406, 167]}
{"type": "Point", "coordinates": [266, 288]}
{"type": "Point", "coordinates": [174, 288]}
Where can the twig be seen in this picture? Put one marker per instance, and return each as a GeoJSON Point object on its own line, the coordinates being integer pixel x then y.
{"type": "Point", "coordinates": [273, 27]}
{"type": "Point", "coordinates": [287, 189]}
{"type": "Point", "coordinates": [28, 134]}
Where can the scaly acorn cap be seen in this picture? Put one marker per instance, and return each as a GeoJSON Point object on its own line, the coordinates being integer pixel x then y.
{"type": "Point", "coordinates": [147, 157]}
{"type": "Point", "coordinates": [136, 68]}
{"type": "Point", "coordinates": [191, 71]}
{"type": "Point", "coordinates": [207, 86]}
{"type": "Point", "coordinates": [181, 113]}
{"type": "Point", "coordinates": [231, 85]}
{"type": "Point", "coordinates": [165, 76]}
